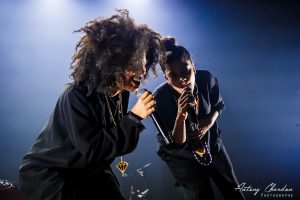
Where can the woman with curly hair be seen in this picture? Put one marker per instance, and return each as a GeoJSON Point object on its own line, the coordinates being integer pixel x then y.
{"type": "Point", "coordinates": [90, 125]}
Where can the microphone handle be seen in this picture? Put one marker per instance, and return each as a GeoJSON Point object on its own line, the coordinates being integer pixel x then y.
{"type": "Point", "coordinates": [155, 119]}
{"type": "Point", "coordinates": [192, 119]}
{"type": "Point", "coordinates": [156, 123]}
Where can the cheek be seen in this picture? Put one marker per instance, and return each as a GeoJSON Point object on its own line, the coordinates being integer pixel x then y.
{"type": "Point", "coordinates": [176, 85]}
{"type": "Point", "coordinates": [128, 75]}
{"type": "Point", "coordinates": [128, 82]}
{"type": "Point", "coordinates": [129, 85]}
{"type": "Point", "coordinates": [174, 82]}
{"type": "Point", "coordinates": [192, 79]}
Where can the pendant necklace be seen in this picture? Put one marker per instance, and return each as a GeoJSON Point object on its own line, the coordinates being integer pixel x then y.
{"type": "Point", "coordinates": [122, 165]}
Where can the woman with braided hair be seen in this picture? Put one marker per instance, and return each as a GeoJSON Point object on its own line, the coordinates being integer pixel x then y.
{"type": "Point", "coordinates": [90, 125]}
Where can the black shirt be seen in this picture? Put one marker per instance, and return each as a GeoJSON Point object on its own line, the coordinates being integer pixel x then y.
{"type": "Point", "coordinates": [210, 100]}
{"type": "Point", "coordinates": [79, 140]}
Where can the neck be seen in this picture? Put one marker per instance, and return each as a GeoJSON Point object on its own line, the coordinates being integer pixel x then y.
{"type": "Point", "coordinates": [177, 89]}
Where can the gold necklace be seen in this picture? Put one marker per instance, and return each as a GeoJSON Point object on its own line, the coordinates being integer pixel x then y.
{"type": "Point", "coordinates": [122, 165]}
{"type": "Point", "coordinates": [119, 108]}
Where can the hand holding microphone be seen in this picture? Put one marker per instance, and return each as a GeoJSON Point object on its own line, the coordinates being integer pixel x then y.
{"type": "Point", "coordinates": [192, 121]}
{"type": "Point", "coordinates": [186, 105]}
{"type": "Point", "coordinates": [147, 99]}
{"type": "Point", "coordinates": [145, 105]}
{"type": "Point", "coordinates": [200, 127]}
{"type": "Point", "coordinates": [200, 148]}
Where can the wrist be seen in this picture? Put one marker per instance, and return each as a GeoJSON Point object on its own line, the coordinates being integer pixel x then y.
{"type": "Point", "coordinates": [131, 114]}
{"type": "Point", "coordinates": [181, 117]}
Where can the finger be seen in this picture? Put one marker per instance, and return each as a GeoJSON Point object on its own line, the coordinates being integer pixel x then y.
{"type": "Point", "coordinates": [203, 131]}
{"type": "Point", "coordinates": [151, 110]}
{"type": "Point", "coordinates": [183, 95]}
{"type": "Point", "coordinates": [151, 104]}
{"type": "Point", "coordinates": [185, 92]}
{"type": "Point", "coordinates": [189, 96]}
{"type": "Point", "coordinates": [201, 135]}
{"type": "Point", "coordinates": [197, 134]}
{"type": "Point", "coordinates": [185, 102]}
{"type": "Point", "coordinates": [191, 103]}
{"type": "Point", "coordinates": [145, 95]}
{"type": "Point", "coordinates": [183, 99]}
{"type": "Point", "coordinates": [184, 109]}
{"type": "Point", "coordinates": [149, 98]}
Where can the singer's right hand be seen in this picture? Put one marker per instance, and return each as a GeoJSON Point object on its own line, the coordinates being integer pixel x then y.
{"type": "Point", "coordinates": [145, 105]}
{"type": "Point", "coordinates": [185, 100]}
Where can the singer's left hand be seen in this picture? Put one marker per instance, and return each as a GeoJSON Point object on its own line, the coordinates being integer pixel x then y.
{"type": "Point", "coordinates": [145, 105]}
{"type": "Point", "coordinates": [205, 125]}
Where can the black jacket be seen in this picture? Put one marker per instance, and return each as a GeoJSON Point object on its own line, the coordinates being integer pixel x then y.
{"type": "Point", "coordinates": [76, 146]}
{"type": "Point", "coordinates": [210, 100]}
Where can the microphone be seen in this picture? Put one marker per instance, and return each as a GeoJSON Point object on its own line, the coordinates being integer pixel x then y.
{"type": "Point", "coordinates": [200, 148]}
{"type": "Point", "coordinates": [192, 119]}
{"type": "Point", "coordinates": [156, 119]}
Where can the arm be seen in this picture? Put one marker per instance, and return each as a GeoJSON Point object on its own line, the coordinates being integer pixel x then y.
{"type": "Point", "coordinates": [93, 141]}
{"type": "Point", "coordinates": [217, 105]}
{"type": "Point", "coordinates": [179, 130]}
{"type": "Point", "coordinates": [216, 99]}
{"type": "Point", "coordinates": [206, 124]}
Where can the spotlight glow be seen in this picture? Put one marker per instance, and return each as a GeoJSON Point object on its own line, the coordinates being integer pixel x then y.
{"type": "Point", "coordinates": [137, 5]}
{"type": "Point", "coordinates": [51, 8]}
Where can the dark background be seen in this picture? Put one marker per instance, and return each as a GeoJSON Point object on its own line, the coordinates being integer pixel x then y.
{"type": "Point", "coordinates": [253, 47]}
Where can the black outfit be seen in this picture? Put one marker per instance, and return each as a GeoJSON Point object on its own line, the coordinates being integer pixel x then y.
{"type": "Point", "coordinates": [193, 177]}
{"type": "Point", "coordinates": [71, 157]}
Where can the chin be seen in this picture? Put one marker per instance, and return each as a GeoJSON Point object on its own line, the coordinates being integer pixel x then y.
{"type": "Point", "coordinates": [178, 89]}
{"type": "Point", "coordinates": [134, 90]}
{"type": "Point", "coordinates": [131, 89]}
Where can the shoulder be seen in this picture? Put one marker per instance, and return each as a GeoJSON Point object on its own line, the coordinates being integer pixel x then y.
{"type": "Point", "coordinates": [205, 77]}
{"type": "Point", "coordinates": [203, 74]}
{"type": "Point", "coordinates": [72, 91]}
{"type": "Point", "coordinates": [74, 95]}
{"type": "Point", "coordinates": [162, 90]}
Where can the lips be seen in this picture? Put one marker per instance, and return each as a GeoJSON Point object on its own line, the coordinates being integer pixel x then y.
{"type": "Point", "coordinates": [136, 82]}
{"type": "Point", "coordinates": [186, 84]}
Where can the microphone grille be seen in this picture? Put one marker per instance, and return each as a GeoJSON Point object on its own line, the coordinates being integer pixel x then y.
{"type": "Point", "coordinates": [140, 91]}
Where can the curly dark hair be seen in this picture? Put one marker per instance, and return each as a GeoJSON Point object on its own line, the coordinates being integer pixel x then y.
{"type": "Point", "coordinates": [108, 46]}
{"type": "Point", "coordinates": [172, 53]}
